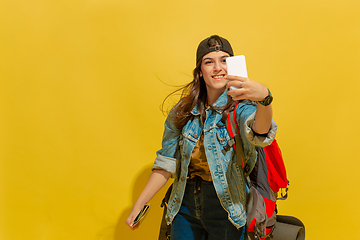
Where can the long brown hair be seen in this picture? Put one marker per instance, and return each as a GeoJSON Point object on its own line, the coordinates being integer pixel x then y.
{"type": "Point", "coordinates": [195, 94]}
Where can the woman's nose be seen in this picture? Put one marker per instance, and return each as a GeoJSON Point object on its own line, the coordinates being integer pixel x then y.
{"type": "Point", "coordinates": [217, 66]}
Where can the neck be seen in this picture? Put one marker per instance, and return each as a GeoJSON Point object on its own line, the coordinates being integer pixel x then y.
{"type": "Point", "coordinates": [213, 95]}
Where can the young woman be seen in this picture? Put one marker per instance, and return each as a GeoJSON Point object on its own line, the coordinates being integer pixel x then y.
{"type": "Point", "coordinates": [209, 191]}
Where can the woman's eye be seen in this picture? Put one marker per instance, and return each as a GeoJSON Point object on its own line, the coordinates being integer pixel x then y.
{"type": "Point", "coordinates": [207, 62]}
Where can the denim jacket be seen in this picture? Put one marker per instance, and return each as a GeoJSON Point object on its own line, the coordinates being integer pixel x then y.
{"type": "Point", "coordinates": [228, 178]}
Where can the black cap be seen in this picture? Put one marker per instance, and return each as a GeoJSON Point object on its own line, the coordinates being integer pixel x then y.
{"type": "Point", "coordinates": [204, 48]}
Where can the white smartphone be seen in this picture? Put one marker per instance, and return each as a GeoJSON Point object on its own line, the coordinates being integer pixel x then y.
{"type": "Point", "coordinates": [236, 66]}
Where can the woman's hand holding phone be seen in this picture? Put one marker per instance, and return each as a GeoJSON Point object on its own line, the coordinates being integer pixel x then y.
{"type": "Point", "coordinates": [245, 88]}
{"type": "Point", "coordinates": [240, 86]}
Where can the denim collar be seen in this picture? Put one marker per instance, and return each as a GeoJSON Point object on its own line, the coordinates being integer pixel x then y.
{"type": "Point", "coordinates": [220, 102]}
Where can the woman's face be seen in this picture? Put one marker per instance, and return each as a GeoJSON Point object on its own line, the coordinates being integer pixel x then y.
{"type": "Point", "coordinates": [213, 70]}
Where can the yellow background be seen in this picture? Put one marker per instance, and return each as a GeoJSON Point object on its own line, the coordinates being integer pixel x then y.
{"type": "Point", "coordinates": [81, 83]}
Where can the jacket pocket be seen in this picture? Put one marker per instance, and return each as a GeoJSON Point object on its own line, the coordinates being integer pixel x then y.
{"type": "Point", "coordinates": [222, 135]}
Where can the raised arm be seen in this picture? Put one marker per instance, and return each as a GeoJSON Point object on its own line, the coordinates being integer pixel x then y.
{"type": "Point", "coordinates": [254, 91]}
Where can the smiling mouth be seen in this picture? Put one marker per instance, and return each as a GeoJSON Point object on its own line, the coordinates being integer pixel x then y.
{"type": "Point", "coordinates": [218, 77]}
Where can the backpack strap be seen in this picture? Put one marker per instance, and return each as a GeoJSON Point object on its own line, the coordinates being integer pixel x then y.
{"type": "Point", "coordinates": [238, 147]}
{"type": "Point", "coordinates": [235, 138]}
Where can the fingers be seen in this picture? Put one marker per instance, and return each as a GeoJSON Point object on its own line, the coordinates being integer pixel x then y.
{"type": "Point", "coordinates": [235, 81]}
{"type": "Point", "coordinates": [234, 78]}
{"type": "Point", "coordinates": [130, 222]}
{"type": "Point", "coordinates": [237, 94]}
{"type": "Point", "coordinates": [238, 97]}
{"type": "Point", "coordinates": [244, 88]}
{"type": "Point", "coordinates": [237, 86]}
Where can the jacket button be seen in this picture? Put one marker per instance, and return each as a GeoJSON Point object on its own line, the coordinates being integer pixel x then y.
{"type": "Point", "coordinates": [177, 200]}
{"type": "Point", "coordinates": [168, 219]}
{"type": "Point", "coordinates": [186, 156]}
{"type": "Point", "coordinates": [195, 136]}
{"type": "Point", "coordinates": [182, 179]}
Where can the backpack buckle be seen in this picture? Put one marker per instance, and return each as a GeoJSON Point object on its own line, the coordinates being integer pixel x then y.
{"type": "Point", "coordinates": [228, 146]}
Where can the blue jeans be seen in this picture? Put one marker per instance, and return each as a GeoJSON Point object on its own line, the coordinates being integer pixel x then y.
{"type": "Point", "coordinates": [201, 216]}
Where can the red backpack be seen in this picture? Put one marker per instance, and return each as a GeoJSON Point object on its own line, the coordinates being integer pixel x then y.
{"type": "Point", "coordinates": [265, 180]}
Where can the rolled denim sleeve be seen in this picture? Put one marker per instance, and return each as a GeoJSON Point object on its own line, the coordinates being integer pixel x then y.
{"type": "Point", "coordinates": [247, 113]}
{"type": "Point", "coordinates": [168, 157]}
{"type": "Point", "coordinates": [259, 140]}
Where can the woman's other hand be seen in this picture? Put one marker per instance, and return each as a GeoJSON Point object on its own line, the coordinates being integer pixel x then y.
{"type": "Point", "coordinates": [130, 220]}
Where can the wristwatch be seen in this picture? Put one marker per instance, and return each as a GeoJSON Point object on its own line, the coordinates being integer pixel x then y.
{"type": "Point", "coordinates": [267, 100]}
